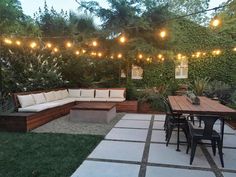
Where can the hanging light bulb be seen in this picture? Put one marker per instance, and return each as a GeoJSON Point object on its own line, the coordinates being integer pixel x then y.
{"type": "Point", "coordinates": [48, 45]}
{"type": "Point", "coordinates": [68, 44]}
{"type": "Point", "coordinates": [55, 49]}
{"type": "Point", "coordinates": [83, 51]}
{"type": "Point", "coordinates": [18, 43]}
{"type": "Point", "coordinates": [234, 49]}
{"type": "Point", "coordinates": [140, 56]}
{"type": "Point", "coordinates": [215, 22]}
{"type": "Point", "coordinates": [7, 41]}
{"type": "Point", "coordinates": [119, 55]}
{"type": "Point", "coordinates": [77, 52]}
{"type": "Point", "coordinates": [94, 43]}
{"type": "Point", "coordinates": [122, 39]}
{"type": "Point", "coordinates": [160, 56]}
{"type": "Point", "coordinates": [99, 54]}
{"type": "Point", "coordinates": [163, 34]}
{"type": "Point", "coordinates": [33, 45]}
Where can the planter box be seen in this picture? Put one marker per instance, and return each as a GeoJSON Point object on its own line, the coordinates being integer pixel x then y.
{"type": "Point", "coordinates": [145, 107]}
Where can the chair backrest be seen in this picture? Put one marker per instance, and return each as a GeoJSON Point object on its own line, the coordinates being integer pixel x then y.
{"type": "Point", "coordinates": [209, 121]}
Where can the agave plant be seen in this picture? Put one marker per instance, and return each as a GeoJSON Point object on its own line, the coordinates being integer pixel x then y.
{"type": "Point", "coordinates": [199, 85]}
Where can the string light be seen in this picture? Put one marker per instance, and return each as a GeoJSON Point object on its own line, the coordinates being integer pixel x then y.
{"type": "Point", "coordinates": [215, 22]}
{"type": "Point", "coordinates": [94, 43]}
{"type": "Point", "coordinates": [112, 57]}
{"type": "Point", "coordinates": [163, 34]}
{"type": "Point", "coordinates": [140, 56]}
{"type": "Point", "coordinates": [33, 45]}
{"type": "Point", "coordinates": [234, 49]}
{"type": "Point", "coordinates": [55, 49]}
{"type": "Point", "coordinates": [7, 41]}
{"type": "Point", "coordinates": [99, 54]}
{"type": "Point", "coordinates": [48, 45]}
{"type": "Point", "coordinates": [149, 60]}
{"type": "Point", "coordinates": [77, 52]}
{"type": "Point", "coordinates": [122, 39]}
{"type": "Point", "coordinates": [68, 44]}
{"type": "Point", "coordinates": [159, 56]}
{"type": "Point", "coordinates": [216, 52]}
{"type": "Point", "coordinates": [83, 51]}
{"type": "Point", "coordinates": [162, 59]}
{"type": "Point", "coordinates": [119, 55]}
{"type": "Point", "coordinates": [18, 43]}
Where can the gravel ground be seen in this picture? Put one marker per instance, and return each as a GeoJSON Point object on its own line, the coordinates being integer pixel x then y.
{"type": "Point", "coordinates": [64, 125]}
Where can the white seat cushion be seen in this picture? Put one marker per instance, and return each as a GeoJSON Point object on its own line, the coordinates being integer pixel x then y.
{"type": "Point", "coordinates": [99, 99]}
{"type": "Point", "coordinates": [102, 93]}
{"type": "Point", "coordinates": [58, 95]}
{"type": "Point", "coordinates": [39, 98]}
{"type": "Point", "coordinates": [50, 96]}
{"type": "Point", "coordinates": [74, 93]}
{"type": "Point", "coordinates": [64, 101]}
{"type": "Point", "coordinates": [115, 99]}
{"type": "Point", "coordinates": [26, 100]}
{"type": "Point", "coordinates": [38, 107]}
{"type": "Point", "coordinates": [64, 93]}
{"type": "Point", "coordinates": [83, 99]}
{"type": "Point", "coordinates": [117, 93]}
{"type": "Point", "coordinates": [87, 93]}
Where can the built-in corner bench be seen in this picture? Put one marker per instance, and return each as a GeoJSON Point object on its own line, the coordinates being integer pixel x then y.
{"type": "Point", "coordinates": [37, 108]}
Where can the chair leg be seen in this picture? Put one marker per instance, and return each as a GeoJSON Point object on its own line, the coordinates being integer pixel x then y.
{"type": "Point", "coordinates": [169, 135]}
{"type": "Point", "coordinates": [213, 144]}
{"type": "Point", "coordinates": [200, 123]}
{"type": "Point", "coordinates": [219, 144]}
{"type": "Point", "coordinates": [193, 150]}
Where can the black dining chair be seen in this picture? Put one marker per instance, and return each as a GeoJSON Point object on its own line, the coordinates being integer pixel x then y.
{"type": "Point", "coordinates": [207, 133]}
{"type": "Point", "coordinates": [171, 122]}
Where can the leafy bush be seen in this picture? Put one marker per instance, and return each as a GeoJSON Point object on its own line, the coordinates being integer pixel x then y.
{"type": "Point", "coordinates": [199, 85]}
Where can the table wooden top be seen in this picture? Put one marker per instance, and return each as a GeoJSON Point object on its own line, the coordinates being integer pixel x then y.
{"type": "Point", "coordinates": [180, 104]}
{"type": "Point", "coordinates": [94, 106]}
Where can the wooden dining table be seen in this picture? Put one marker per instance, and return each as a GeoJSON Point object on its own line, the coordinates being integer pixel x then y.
{"type": "Point", "coordinates": [181, 105]}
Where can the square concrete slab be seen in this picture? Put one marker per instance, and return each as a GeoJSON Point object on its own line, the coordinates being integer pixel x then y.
{"type": "Point", "coordinates": [229, 141]}
{"type": "Point", "coordinates": [227, 129]}
{"type": "Point", "coordinates": [106, 169]}
{"type": "Point", "coordinates": [133, 124]}
{"type": "Point", "coordinates": [171, 172]}
{"type": "Point", "coordinates": [161, 154]}
{"type": "Point", "coordinates": [158, 125]}
{"type": "Point", "coordinates": [160, 117]}
{"type": "Point", "coordinates": [226, 174]}
{"type": "Point", "coordinates": [229, 158]}
{"type": "Point", "coordinates": [159, 136]}
{"type": "Point", "coordinates": [115, 150]}
{"type": "Point", "coordinates": [137, 117]}
{"type": "Point", "coordinates": [127, 134]}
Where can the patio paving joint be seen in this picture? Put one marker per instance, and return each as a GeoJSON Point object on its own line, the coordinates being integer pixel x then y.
{"type": "Point", "coordinates": [142, 171]}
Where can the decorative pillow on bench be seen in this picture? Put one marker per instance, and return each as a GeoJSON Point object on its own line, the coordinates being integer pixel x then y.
{"type": "Point", "coordinates": [87, 93]}
{"type": "Point", "coordinates": [39, 98]}
{"type": "Point", "coordinates": [117, 93]}
{"type": "Point", "coordinates": [64, 93]}
{"type": "Point", "coordinates": [26, 100]}
{"type": "Point", "coordinates": [74, 93]}
{"type": "Point", "coordinates": [102, 93]}
{"type": "Point", "coordinates": [50, 96]}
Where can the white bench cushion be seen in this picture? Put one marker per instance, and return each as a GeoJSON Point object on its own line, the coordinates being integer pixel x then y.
{"type": "Point", "coordinates": [26, 100]}
{"type": "Point", "coordinates": [58, 95]}
{"type": "Point", "coordinates": [38, 107]}
{"type": "Point", "coordinates": [115, 99]}
{"type": "Point", "coordinates": [117, 93]}
{"type": "Point", "coordinates": [50, 96]}
{"type": "Point", "coordinates": [99, 99]}
{"type": "Point", "coordinates": [83, 99]}
{"type": "Point", "coordinates": [39, 98]}
{"type": "Point", "coordinates": [102, 93]}
{"type": "Point", "coordinates": [74, 93]}
{"type": "Point", "coordinates": [64, 101]}
{"type": "Point", "coordinates": [64, 93]}
{"type": "Point", "coordinates": [87, 93]}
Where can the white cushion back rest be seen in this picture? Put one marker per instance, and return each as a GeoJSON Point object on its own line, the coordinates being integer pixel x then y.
{"type": "Point", "coordinates": [87, 93]}
{"type": "Point", "coordinates": [64, 93]}
{"type": "Point", "coordinates": [117, 93]}
{"type": "Point", "coordinates": [58, 95]}
{"type": "Point", "coordinates": [74, 93]}
{"type": "Point", "coordinates": [26, 100]}
{"type": "Point", "coordinates": [50, 96]}
{"type": "Point", "coordinates": [102, 94]}
{"type": "Point", "coordinates": [39, 98]}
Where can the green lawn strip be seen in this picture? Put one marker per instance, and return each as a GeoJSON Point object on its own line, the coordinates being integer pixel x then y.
{"type": "Point", "coordinates": [44, 154]}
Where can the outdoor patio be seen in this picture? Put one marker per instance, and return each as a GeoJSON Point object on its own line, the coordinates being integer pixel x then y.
{"type": "Point", "coordinates": [135, 147]}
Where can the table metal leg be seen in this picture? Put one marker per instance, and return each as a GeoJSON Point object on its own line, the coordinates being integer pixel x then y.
{"type": "Point", "coordinates": [222, 130]}
{"type": "Point", "coordinates": [178, 133]}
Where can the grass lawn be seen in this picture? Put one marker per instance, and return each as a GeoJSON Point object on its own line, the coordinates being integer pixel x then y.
{"type": "Point", "coordinates": [43, 154]}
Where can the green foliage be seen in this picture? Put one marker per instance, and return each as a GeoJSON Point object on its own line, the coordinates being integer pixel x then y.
{"type": "Point", "coordinates": [131, 91]}
{"type": "Point", "coordinates": [199, 85]}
